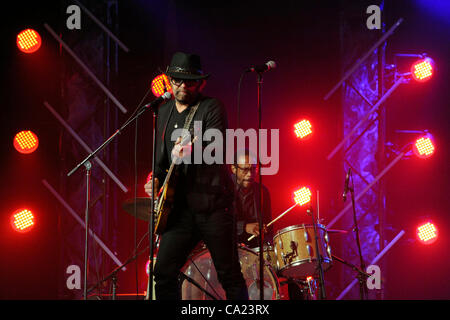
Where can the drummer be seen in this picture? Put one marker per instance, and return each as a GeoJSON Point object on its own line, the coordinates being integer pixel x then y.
{"type": "Point", "coordinates": [247, 189]}
{"type": "Point", "coordinates": [247, 201]}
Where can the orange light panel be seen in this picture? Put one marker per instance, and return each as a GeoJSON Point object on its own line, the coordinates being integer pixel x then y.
{"type": "Point", "coordinates": [302, 196]}
{"type": "Point", "coordinates": [28, 41]}
{"type": "Point", "coordinates": [22, 220]}
{"type": "Point", "coordinates": [422, 70]}
{"type": "Point", "coordinates": [427, 233]}
{"type": "Point", "coordinates": [423, 147]}
{"type": "Point", "coordinates": [26, 142]}
{"type": "Point", "coordinates": [303, 129]}
{"type": "Point", "coordinates": [161, 85]}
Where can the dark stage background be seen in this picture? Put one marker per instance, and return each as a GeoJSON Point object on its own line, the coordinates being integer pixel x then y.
{"type": "Point", "coordinates": [304, 40]}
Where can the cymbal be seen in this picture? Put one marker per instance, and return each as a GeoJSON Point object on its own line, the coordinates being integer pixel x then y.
{"type": "Point", "coordinates": [142, 207]}
{"type": "Point", "coordinates": [336, 231]}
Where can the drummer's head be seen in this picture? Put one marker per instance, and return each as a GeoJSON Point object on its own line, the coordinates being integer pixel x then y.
{"type": "Point", "coordinates": [244, 168]}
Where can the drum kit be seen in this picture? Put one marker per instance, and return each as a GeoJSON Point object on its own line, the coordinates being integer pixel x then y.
{"type": "Point", "coordinates": [291, 258]}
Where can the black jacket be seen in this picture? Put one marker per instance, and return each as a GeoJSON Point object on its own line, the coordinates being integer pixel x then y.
{"type": "Point", "coordinates": [208, 186]}
{"type": "Point", "coordinates": [242, 218]}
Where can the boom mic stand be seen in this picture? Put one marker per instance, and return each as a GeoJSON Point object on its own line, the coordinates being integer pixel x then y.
{"type": "Point", "coordinates": [154, 105]}
{"type": "Point", "coordinates": [361, 273]}
{"type": "Point", "coordinates": [259, 213]}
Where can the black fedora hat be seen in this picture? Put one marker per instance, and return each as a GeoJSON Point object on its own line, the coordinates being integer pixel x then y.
{"type": "Point", "coordinates": [186, 66]}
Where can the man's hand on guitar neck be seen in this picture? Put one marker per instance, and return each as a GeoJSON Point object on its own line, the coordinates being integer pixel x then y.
{"type": "Point", "coordinates": [180, 151]}
{"type": "Point", "coordinates": [148, 188]}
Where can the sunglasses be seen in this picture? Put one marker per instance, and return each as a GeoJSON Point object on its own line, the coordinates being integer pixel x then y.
{"type": "Point", "coordinates": [188, 83]}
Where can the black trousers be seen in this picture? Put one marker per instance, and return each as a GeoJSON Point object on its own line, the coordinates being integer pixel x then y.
{"type": "Point", "coordinates": [184, 231]}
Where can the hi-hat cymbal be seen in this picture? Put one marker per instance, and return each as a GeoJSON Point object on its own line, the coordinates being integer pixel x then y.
{"type": "Point", "coordinates": [142, 207]}
{"type": "Point", "coordinates": [336, 231]}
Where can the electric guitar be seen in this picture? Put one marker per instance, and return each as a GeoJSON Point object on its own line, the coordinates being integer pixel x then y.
{"type": "Point", "coordinates": [165, 199]}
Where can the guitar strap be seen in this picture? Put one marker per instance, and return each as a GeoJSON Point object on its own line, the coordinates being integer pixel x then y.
{"type": "Point", "coordinates": [190, 116]}
{"type": "Point", "coordinates": [187, 124]}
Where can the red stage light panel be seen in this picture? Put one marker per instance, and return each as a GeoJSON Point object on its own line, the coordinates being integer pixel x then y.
{"type": "Point", "coordinates": [302, 196]}
{"type": "Point", "coordinates": [423, 147]}
{"type": "Point", "coordinates": [26, 142]}
{"type": "Point", "coordinates": [422, 70]}
{"type": "Point", "coordinates": [28, 41]}
{"type": "Point", "coordinates": [161, 85]}
{"type": "Point", "coordinates": [22, 220]}
{"type": "Point", "coordinates": [303, 129]}
{"type": "Point", "coordinates": [427, 233]}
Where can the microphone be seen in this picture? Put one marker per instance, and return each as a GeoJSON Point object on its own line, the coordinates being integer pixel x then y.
{"type": "Point", "coordinates": [165, 96]}
{"type": "Point", "coordinates": [263, 67]}
{"type": "Point", "coordinates": [347, 178]}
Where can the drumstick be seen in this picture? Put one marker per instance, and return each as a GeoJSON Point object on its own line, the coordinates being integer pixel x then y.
{"type": "Point", "coordinates": [277, 218]}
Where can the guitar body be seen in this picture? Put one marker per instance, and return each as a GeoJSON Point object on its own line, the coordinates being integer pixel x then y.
{"type": "Point", "coordinates": [165, 204]}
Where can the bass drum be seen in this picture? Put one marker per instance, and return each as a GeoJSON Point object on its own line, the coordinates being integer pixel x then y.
{"type": "Point", "coordinates": [199, 270]}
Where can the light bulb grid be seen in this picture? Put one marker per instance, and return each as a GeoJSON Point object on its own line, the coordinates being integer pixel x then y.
{"type": "Point", "coordinates": [23, 219]}
{"type": "Point", "coordinates": [424, 146]}
{"type": "Point", "coordinates": [302, 196]}
{"type": "Point", "coordinates": [160, 85]}
{"type": "Point", "coordinates": [26, 140]}
{"type": "Point", "coordinates": [303, 128]}
{"type": "Point", "coordinates": [426, 232]}
{"type": "Point", "coordinates": [422, 70]}
{"type": "Point", "coordinates": [28, 40]}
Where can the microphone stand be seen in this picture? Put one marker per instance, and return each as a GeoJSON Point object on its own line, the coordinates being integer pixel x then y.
{"type": "Point", "coordinates": [362, 288]}
{"type": "Point", "coordinates": [361, 273]}
{"type": "Point", "coordinates": [318, 254]}
{"type": "Point", "coordinates": [260, 214]}
{"type": "Point", "coordinates": [152, 211]}
{"type": "Point", "coordinates": [86, 162]}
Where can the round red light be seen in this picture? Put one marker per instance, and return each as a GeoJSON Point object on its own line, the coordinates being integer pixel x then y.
{"type": "Point", "coordinates": [28, 41]}
{"type": "Point", "coordinates": [26, 142]}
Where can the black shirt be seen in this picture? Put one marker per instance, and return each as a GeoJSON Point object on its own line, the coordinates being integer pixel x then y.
{"type": "Point", "coordinates": [176, 121]}
{"type": "Point", "coordinates": [246, 208]}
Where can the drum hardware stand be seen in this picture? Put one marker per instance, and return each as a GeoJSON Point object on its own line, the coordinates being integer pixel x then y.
{"type": "Point", "coordinates": [113, 275]}
{"type": "Point", "coordinates": [362, 287]}
{"type": "Point", "coordinates": [362, 276]}
{"type": "Point", "coordinates": [182, 277]}
{"type": "Point", "coordinates": [319, 256]}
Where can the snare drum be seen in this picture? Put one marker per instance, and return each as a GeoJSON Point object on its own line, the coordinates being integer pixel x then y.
{"type": "Point", "coordinates": [200, 270]}
{"type": "Point", "coordinates": [295, 250]}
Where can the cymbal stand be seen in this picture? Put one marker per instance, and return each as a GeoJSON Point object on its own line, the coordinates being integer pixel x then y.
{"type": "Point", "coordinates": [318, 254]}
{"type": "Point", "coordinates": [113, 275]}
